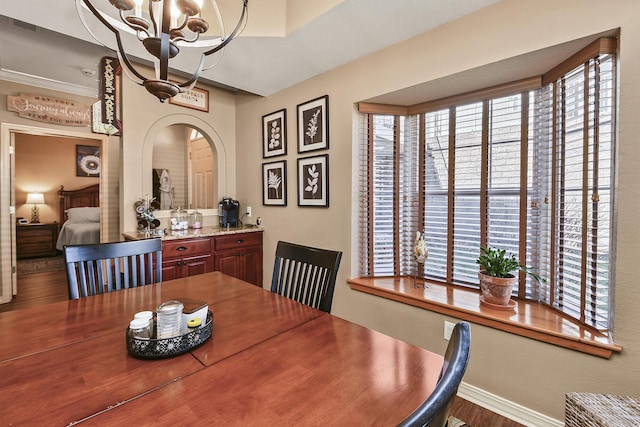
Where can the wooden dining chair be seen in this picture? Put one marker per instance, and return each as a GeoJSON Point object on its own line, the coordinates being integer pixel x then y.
{"type": "Point", "coordinates": [305, 274]}
{"type": "Point", "coordinates": [435, 410]}
{"type": "Point", "coordinates": [105, 267]}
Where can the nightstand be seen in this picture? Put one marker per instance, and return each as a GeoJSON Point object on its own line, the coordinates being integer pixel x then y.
{"type": "Point", "coordinates": [36, 240]}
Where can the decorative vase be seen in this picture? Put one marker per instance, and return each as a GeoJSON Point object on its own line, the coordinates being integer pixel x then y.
{"type": "Point", "coordinates": [496, 290]}
{"type": "Point", "coordinates": [421, 253]}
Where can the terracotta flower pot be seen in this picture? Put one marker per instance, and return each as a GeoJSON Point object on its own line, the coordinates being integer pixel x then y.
{"type": "Point", "coordinates": [496, 290]}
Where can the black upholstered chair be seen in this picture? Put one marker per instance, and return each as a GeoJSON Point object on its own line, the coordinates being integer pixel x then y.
{"type": "Point", "coordinates": [305, 274]}
{"type": "Point", "coordinates": [435, 410]}
{"type": "Point", "coordinates": [106, 267]}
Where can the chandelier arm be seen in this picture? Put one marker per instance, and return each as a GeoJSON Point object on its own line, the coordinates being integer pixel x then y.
{"type": "Point", "coordinates": [194, 78]}
{"type": "Point", "coordinates": [114, 31]}
{"type": "Point", "coordinates": [216, 62]}
{"type": "Point", "coordinates": [184, 23]}
{"type": "Point", "coordinates": [127, 71]}
{"type": "Point", "coordinates": [240, 25]}
{"type": "Point", "coordinates": [153, 21]}
{"type": "Point", "coordinates": [186, 40]}
{"type": "Point", "coordinates": [135, 27]}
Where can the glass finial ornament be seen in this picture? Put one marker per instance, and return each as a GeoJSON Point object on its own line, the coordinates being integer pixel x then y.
{"type": "Point", "coordinates": [421, 253]}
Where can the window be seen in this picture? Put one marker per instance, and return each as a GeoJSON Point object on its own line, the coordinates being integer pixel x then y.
{"type": "Point", "coordinates": [529, 169]}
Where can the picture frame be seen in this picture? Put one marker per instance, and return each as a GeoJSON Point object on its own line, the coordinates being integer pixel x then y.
{"type": "Point", "coordinates": [88, 161]}
{"type": "Point", "coordinates": [274, 134]}
{"type": "Point", "coordinates": [196, 98]}
{"type": "Point", "coordinates": [313, 181]}
{"type": "Point", "coordinates": [313, 124]}
{"type": "Point", "coordinates": [274, 183]}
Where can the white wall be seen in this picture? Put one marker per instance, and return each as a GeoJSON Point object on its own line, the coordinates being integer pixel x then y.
{"type": "Point", "coordinates": [524, 371]}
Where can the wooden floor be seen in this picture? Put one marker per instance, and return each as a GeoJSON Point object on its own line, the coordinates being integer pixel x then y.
{"type": "Point", "coordinates": [38, 288]}
{"type": "Point", "coordinates": [51, 286]}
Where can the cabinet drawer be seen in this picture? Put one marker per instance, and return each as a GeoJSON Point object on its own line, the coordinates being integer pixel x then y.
{"type": "Point", "coordinates": [186, 247]}
{"type": "Point", "coordinates": [238, 240]}
{"type": "Point", "coordinates": [35, 232]}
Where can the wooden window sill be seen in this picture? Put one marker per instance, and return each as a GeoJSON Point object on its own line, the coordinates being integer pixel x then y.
{"type": "Point", "coordinates": [528, 319]}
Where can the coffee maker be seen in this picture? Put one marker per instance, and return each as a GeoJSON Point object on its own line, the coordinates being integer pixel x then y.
{"type": "Point", "coordinates": [228, 212]}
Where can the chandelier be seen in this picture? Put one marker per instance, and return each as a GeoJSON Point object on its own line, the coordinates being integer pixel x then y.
{"type": "Point", "coordinates": [163, 30]}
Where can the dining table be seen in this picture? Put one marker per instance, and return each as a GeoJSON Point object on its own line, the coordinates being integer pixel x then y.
{"type": "Point", "coordinates": [269, 361]}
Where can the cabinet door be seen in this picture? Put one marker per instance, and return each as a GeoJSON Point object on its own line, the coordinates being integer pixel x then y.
{"type": "Point", "coordinates": [171, 269]}
{"type": "Point", "coordinates": [228, 263]}
{"type": "Point", "coordinates": [197, 265]}
{"type": "Point", "coordinates": [252, 266]}
{"type": "Point", "coordinates": [245, 264]}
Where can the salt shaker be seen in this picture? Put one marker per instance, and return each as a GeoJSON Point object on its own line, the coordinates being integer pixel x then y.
{"type": "Point", "coordinates": [148, 317]}
{"type": "Point", "coordinates": [139, 328]}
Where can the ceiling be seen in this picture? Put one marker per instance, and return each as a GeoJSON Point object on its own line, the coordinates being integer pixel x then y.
{"type": "Point", "coordinates": [285, 41]}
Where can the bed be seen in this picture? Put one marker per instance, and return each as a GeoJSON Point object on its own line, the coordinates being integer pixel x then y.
{"type": "Point", "coordinates": [79, 216]}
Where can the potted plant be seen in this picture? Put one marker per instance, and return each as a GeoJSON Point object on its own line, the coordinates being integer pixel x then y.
{"type": "Point", "coordinates": [497, 275]}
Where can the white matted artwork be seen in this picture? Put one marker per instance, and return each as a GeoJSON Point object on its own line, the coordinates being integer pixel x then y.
{"type": "Point", "coordinates": [274, 134]}
{"type": "Point", "coordinates": [313, 181]}
{"type": "Point", "coordinates": [274, 183]}
{"type": "Point", "coordinates": [313, 125]}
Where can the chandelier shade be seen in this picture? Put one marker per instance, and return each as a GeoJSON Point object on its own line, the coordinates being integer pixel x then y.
{"type": "Point", "coordinates": [163, 29]}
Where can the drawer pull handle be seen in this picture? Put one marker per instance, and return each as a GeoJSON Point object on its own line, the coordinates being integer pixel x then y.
{"type": "Point", "coordinates": [182, 248]}
{"type": "Point", "coordinates": [239, 241]}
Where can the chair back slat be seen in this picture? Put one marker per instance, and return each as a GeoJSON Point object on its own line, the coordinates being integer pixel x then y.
{"type": "Point", "coordinates": [435, 409]}
{"type": "Point", "coordinates": [305, 274]}
{"type": "Point", "coordinates": [107, 267]}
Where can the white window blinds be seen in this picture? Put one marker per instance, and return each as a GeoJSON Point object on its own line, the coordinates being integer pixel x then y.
{"type": "Point", "coordinates": [530, 172]}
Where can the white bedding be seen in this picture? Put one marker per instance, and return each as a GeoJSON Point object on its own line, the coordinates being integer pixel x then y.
{"type": "Point", "coordinates": [82, 227]}
{"type": "Point", "coordinates": [78, 234]}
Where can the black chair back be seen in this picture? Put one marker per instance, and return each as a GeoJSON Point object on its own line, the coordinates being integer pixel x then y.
{"type": "Point", "coordinates": [306, 274]}
{"type": "Point", "coordinates": [435, 410]}
{"type": "Point", "coordinates": [106, 267]}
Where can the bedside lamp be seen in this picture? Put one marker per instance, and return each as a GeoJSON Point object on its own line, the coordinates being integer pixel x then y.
{"type": "Point", "coordinates": [35, 199]}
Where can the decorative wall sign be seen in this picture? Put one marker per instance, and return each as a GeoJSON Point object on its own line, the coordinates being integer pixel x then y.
{"type": "Point", "coordinates": [87, 161]}
{"type": "Point", "coordinates": [97, 126]}
{"type": "Point", "coordinates": [50, 110]}
{"type": "Point", "coordinates": [106, 110]}
{"type": "Point", "coordinates": [274, 134]}
{"type": "Point", "coordinates": [196, 98]}
{"type": "Point", "coordinates": [313, 124]}
{"type": "Point", "coordinates": [274, 183]}
{"type": "Point", "coordinates": [313, 181]}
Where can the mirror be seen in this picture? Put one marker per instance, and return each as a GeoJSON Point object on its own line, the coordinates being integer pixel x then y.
{"type": "Point", "coordinates": [183, 169]}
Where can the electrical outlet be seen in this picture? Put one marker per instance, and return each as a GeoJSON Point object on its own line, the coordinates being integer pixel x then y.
{"type": "Point", "coordinates": [258, 221]}
{"type": "Point", "coordinates": [448, 330]}
{"type": "Point", "coordinates": [249, 211]}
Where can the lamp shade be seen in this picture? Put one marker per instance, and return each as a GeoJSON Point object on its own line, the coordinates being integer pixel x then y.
{"type": "Point", "coordinates": [35, 198]}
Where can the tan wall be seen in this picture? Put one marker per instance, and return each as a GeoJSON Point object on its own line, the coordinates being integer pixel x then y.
{"type": "Point", "coordinates": [533, 374]}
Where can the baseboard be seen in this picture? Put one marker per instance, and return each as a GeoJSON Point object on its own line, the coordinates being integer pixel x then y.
{"type": "Point", "coordinates": [506, 408]}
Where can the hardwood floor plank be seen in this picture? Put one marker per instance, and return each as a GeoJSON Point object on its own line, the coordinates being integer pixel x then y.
{"type": "Point", "coordinates": [38, 288]}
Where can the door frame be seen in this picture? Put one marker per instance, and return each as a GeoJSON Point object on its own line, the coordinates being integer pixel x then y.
{"type": "Point", "coordinates": [8, 264]}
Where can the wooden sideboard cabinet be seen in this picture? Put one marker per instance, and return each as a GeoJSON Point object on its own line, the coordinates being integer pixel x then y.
{"type": "Point", "coordinates": [36, 240]}
{"type": "Point", "coordinates": [186, 257]}
{"type": "Point", "coordinates": [240, 255]}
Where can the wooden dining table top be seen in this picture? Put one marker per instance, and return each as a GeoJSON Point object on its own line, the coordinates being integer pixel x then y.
{"type": "Point", "coordinates": [269, 361]}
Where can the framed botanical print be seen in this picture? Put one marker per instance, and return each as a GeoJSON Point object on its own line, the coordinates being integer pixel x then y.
{"type": "Point", "coordinates": [87, 161]}
{"type": "Point", "coordinates": [274, 183]}
{"type": "Point", "coordinates": [313, 125]}
{"type": "Point", "coordinates": [313, 181]}
{"type": "Point", "coordinates": [274, 134]}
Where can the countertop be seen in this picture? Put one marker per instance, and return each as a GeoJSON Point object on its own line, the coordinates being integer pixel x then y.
{"type": "Point", "coordinates": [191, 233]}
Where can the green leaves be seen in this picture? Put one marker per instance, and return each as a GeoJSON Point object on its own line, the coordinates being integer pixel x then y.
{"type": "Point", "coordinates": [499, 263]}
